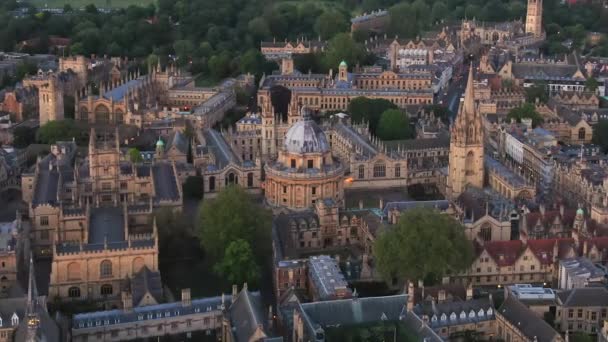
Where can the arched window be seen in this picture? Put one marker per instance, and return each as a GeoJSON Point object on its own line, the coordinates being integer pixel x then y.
{"type": "Point", "coordinates": [105, 269]}
{"type": "Point", "coordinates": [74, 292]}
{"type": "Point", "coordinates": [469, 166]}
{"type": "Point", "coordinates": [486, 232]}
{"type": "Point", "coordinates": [212, 184]}
{"type": "Point", "coordinates": [250, 179]}
{"type": "Point", "coordinates": [361, 171]}
{"type": "Point", "coordinates": [138, 263]}
{"type": "Point", "coordinates": [397, 170]}
{"type": "Point", "coordinates": [119, 116]}
{"type": "Point", "coordinates": [84, 114]}
{"type": "Point", "coordinates": [74, 271]}
{"type": "Point", "coordinates": [379, 170]}
{"type": "Point", "coordinates": [232, 179]}
{"type": "Point", "coordinates": [106, 290]}
{"type": "Point", "coordinates": [581, 133]}
{"type": "Point", "coordinates": [102, 114]}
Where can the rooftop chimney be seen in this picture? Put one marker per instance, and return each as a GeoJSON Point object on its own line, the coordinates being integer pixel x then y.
{"type": "Point", "coordinates": [186, 299]}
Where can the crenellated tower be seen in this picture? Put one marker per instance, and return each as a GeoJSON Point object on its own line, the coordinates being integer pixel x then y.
{"type": "Point", "coordinates": [466, 145]}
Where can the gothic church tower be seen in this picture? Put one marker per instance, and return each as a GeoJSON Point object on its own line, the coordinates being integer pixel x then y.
{"type": "Point", "coordinates": [534, 17]}
{"type": "Point", "coordinates": [466, 145]}
{"type": "Point", "coordinates": [50, 100]}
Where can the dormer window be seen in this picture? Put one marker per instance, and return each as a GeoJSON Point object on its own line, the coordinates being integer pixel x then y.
{"type": "Point", "coordinates": [15, 319]}
{"type": "Point", "coordinates": [463, 315]}
{"type": "Point", "coordinates": [472, 314]}
{"type": "Point", "coordinates": [444, 317]}
{"type": "Point", "coordinates": [490, 312]}
{"type": "Point", "coordinates": [434, 318]}
{"type": "Point", "coordinates": [453, 316]}
{"type": "Point", "coordinates": [481, 313]}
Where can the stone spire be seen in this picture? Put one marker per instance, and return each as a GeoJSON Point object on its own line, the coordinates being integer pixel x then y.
{"type": "Point", "coordinates": [469, 94]}
{"type": "Point", "coordinates": [31, 313]}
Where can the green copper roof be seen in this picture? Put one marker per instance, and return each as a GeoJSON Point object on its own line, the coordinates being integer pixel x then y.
{"type": "Point", "coordinates": [343, 64]}
{"type": "Point", "coordinates": [160, 142]}
{"type": "Point", "coordinates": [580, 211]}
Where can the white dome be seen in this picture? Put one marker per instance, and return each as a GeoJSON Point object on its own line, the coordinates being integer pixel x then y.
{"type": "Point", "coordinates": [305, 137]}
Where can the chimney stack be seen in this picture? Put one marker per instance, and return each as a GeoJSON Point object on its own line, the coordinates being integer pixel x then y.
{"type": "Point", "coordinates": [186, 299]}
{"type": "Point", "coordinates": [127, 301]}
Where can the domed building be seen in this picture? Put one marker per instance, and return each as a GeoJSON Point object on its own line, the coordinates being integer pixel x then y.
{"type": "Point", "coordinates": [305, 170]}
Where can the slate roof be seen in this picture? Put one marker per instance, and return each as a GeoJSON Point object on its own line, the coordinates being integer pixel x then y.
{"type": "Point", "coordinates": [586, 296]}
{"type": "Point", "coordinates": [457, 312]}
{"type": "Point", "coordinates": [118, 93]}
{"type": "Point", "coordinates": [544, 71]}
{"type": "Point", "coordinates": [165, 183]}
{"type": "Point", "coordinates": [354, 310]}
{"type": "Point", "coordinates": [106, 223]}
{"type": "Point", "coordinates": [247, 314]}
{"type": "Point", "coordinates": [47, 184]}
{"type": "Point", "coordinates": [179, 141]}
{"type": "Point", "coordinates": [526, 321]}
{"type": "Point", "coordinates": [220, 149]}
{"type": "Point", "coordinates": [146, 281]}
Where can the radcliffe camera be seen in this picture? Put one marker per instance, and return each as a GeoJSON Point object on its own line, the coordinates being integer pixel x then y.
{"type": "Point", "coordinates": [303, 170]}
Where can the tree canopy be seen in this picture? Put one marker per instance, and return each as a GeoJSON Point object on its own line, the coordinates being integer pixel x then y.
{"type": "Point", "coordinates": [394, 124]}
{"type": "Point", "coordinates": [231, 216]}
{"type": "Point", "coordinates": [537, 92]}
{"type": "Point", "coordinates": [135, 155]}
{"type": "Point", "coordinates": [400, 255]}
{"type": "Point", "coordinates": [59, 130]}
{"type": "Point", "coordinates": [527, 110]}
{"type": "Point", "coordinates": [238, 264]}
{"type": "Point", "coordinates": [369, 110]}
{"type": "Point", "coordinates": [600, 135]}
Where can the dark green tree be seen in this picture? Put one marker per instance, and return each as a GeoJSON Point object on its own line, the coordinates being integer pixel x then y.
{"type": "Point", "coordinates": [23, 136]}
{"type": "Point", "coordinates": [399, 255]}
{"type": "Point", "coordinates": [54, 131]}
{"type": "Point", "coordinates": [193, 187]}
{"type": "Point", "coordinates": [527, 110]}
{"type": "Point", "coordinates": [394, 125]}
{"type": "Point", "coordinates": [330, 23]}
{"type": "Point", "coordinates": [600, 135]}
{"type": "Point", "coordinates": [591, 84]}
{"type": "Point", "coordinates": [343, 48]}
{"type": "Point", "coordinates": [238, 264]}
{"type": "Point", "coordinates": [369, 110]}
{"type": "Point", "coordinates": [233, 215]}
{"type": "Point", "coordinates": [537, 92]}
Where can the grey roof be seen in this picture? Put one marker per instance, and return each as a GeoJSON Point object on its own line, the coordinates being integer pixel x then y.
{"type": "Point", "coordinates": [419, 328]}
{"type": "Point", "coordinates": [347, 131]}
{"type": "Point", "coordinates": [144, 313]}
{"type": "Point", "coordinates": [146, 281]}
{"type": "Point", "coordinates": [586, 296]}
{"type": "Point", "coordinates": [475, 310]}
{"type": "Point", "coordinates": [106, 223]}
{"type": "Point", "coordinates": [354, 310]}
{"type": "Point", "coordinates": [306, 136]}
{"type": "Point", "coordinates": [419, 144]}
{"type": "Point", "coordinates": [142, 170]}
{"type": "Point", "coordinates": [326, 275]}
{"type": "Point", "coordinates": [526, 321]}
{"type": "Point", "coordinates": [118, 93]}
{"type": "Point", "coordinates": [247, 314]}
{"type": "Point", "coordinates": [165, 183]}
{"type": "Point", "coordinates": [47, 185]}
{"type": "Point", "coordinates": [220, 148]}
{"type": "Point", "coordinates": [549, 71]}
{"type": "Point", "coordinates": [179, 141]}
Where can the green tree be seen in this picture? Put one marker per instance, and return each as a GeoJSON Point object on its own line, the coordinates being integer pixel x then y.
{"type": "Point", "coordinates": [330, 23]}
{"type": "Point", "coordinates": [219, 66]}
{"type": "Point", "coordinates": [54, 131]}
{"type": "Point", "coordinates": [238, 264]}
{"type": "Point", "coordinates": [527, 110]}
{"type": "Point", "coordinates": [233, 215]}
{"type": "Point", "coordinates": [193, 187]}
{"type": "Point", "coordinates": [600, 135]}
{"type": "Point", "coordinates": [364, 109]}
{"type": "Point", "coordinates": [591, 84]}
{"type": "Point", "coordinates": [258, 27]}
{"type": "Point", "coordinates": [439, 11]}
{"type": "Point", "coordinates": [135, 155]}
{"type": "Point", "coordinates": [581, 337]}
{"type": "Point", "coordinates": [343, 48]}
{"type": "Point", "coordinates": [394, 125]}
{"type": "Point", "coordinates": [537, 92]}
{"type": "Point", "coordinates": [400, 256]}
{"type": "Point", "coordinates": [403, 20]}
{"type": "Point", "coordinates": [23, 136]}
{"type": "Point", "coordinates": [67, 8]}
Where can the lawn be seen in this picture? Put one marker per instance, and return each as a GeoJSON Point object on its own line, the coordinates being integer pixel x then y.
{"type": "Point", "coordinates": [83, 3]}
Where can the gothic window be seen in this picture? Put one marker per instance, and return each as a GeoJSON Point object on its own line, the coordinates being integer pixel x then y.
{"type": "Point", "coordinates": [74, 292]}
{"type": "Point", "coordinates": [105, 269]}
{"type": "Point", "coordinates": [379, 170]}
{"type": "Point", "coordinates": [361, 171]}
{"type": "Point", "coordinates": [119, 116]}
{"type": "Point", "coordinates": [44, 220]}
{"type": "Point", "coordinates": [15, 319]}
{"type": "Point", "coordinates": [211, 184]}
{"type": "Point", "coordinates": [469, 164]}
{"type": "Point", "coordinates": [84, 114]}
{"type": "Point", "coordinates": [74, 271]}
{"type": "Point", "coordinates": [106, 290]}
{"type": "Point", "coordinates": [581, 133]}
{"type": "Point", "coordinates": [486, 233]}
{"type": "Point", "coordinates": [102, 114]}
{"type": "Point", "coordinates": [250, 179]}
{"type": "Point", "coordinates": [397, 170]}
{"type": "Point", "coordinates": [232, 179]}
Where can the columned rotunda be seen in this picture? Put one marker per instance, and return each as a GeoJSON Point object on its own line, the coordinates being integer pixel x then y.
{"type": "Point", "coordinates": [305, 170]}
